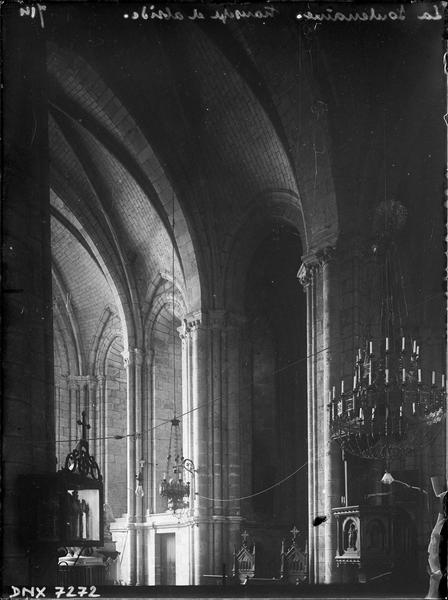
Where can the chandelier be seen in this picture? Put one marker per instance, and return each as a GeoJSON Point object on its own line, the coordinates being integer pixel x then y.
{"type": "Point", "coordinates": [175, 489]}
{"type": "Point", "coordinates": [172, 486]}
{"type": "Point", "coordinates": [392, 408]}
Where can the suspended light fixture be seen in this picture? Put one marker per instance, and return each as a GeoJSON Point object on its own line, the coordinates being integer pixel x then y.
{"type": "Point", "coordinates": [392, 408]}
{"type": "Point", "coordinates": [172, 486]}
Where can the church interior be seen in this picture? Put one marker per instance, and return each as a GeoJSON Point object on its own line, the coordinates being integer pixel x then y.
{"type": "Point", "coordinates": [224, 335]}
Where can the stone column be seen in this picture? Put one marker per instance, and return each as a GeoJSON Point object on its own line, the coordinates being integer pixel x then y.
{"type": "Point", "coordinates": [187, 432]}
{"type": "Point", "coordinates": [27, 334]}
{"type": "Point", "coordinates": [323, 457]}
{"type": "Point", "coordinates": [216, 322]}
{"type": "Point", "coordinates": [92, 414]}
{"type": "Point", "coordinates": [200, 406]}
{"type": "Point", "coordinates": [210, 385]}
{"type": "Point", "coordinates": [331, 462]}
{"type": "Point", "coordinates": [101, 442]}
{"type": "Point", "coordinates": [232, 488]}
{"type": "Point", "coordinates": [139, 455]}
{"type": "Point", "coordinates": [128, 359]}
{"type": "Point", "coordinates": [151, 488]}
{"type": "Point", "coordinates": [305, 276]}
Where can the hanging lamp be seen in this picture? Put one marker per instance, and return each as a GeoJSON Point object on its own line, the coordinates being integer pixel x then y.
{"type": "Point", "coordinates": [392, 408]}
{"type": "Point", "coordinates": [172, 486]}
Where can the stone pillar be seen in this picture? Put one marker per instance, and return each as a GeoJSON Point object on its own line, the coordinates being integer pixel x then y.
{"type": "Point", "coordinates": [187, 432]}
{"type": "Point", "coordinates": [200, 406]}
{"type": "Point", "coordinates": [210, 402]}
{"type": "Point", "coordinates": [128, 358]}
{"type": "Point", "coordinates": [216, 322]}
{"type": "Point", "coordinates": [27, 334]}
{"type": "Point", "coordinates": [139, 455]}
{"type": "Point", "coordinates": [92, 414]}
{"type": "Point", "coordinates": [305, 276]}
{"type": "Point", "coordinates": [151, 484]}
{"type": "Point", "coordinates": [101, 442]}
{"type": "Point", "coordinates": [232, 488]}
{"type": "Point", "coordinates": [331, 462]}
{"type": "Point", "coordinates": [323, 456]}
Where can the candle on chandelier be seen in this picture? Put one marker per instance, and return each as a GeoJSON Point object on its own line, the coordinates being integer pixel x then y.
{"type": "Point", "coordinates": [443, 381]}
{"type": "Point", "coordinates": [403, 375]}
{"type": "Point", "coordinates": [361, 413]}
{"type": "Point", "coordinates": [413, 408]}
{"type": "Point", "coordinates": [370, 373]}
{"type": "Point", "coordinates": [415, 347]}
{"type": "Point", "coordinates": [354, 381]}
{"type": "Point", "coordinates": [373, 413]}
{"type": "Point", "coordinates": [401, 411]}
{"type": "Point", "coordinates": [433, 378]}
{"type": "Point", "coordinates": [419, 375]}
{"type": "Point", "coordinates": [403, 341]}
{"type": "Point", "coordinates": [387, 344]}
{"type": "Point", "coordinates": [418, 350]}
{"type": "Point", "coordinates": [370, 348]}
{"type": "Point", "coordinates": [342, 386]}
{"type": "Point", "coordinates": [387, 375]}
{"type": "Point", "coordinates": [334, 392]}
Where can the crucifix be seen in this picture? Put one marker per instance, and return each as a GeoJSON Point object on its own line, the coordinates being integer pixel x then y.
{"type": "Point", "coordinates": [85, 426]}
{"type": "Point", "coordinates": [244, 535]}
{"type": "Point", "coordinates": [294, 532]}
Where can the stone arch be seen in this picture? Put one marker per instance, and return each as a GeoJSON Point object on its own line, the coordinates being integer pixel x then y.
{"type": "Point", "coordinates": [103, 256]}
{"type": "Point", "coordinates": [67, 326]}
{"type": "Point", "coordinates": [163, 297]}
{"type": "Point", "coordinates": [281, 208]}
{"type": "Point", "coordinates": [125, 140]}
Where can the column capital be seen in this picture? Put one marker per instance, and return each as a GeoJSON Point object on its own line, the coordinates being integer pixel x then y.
{"type": "Point", "coordinates": [194, 320]}
{"type": "Point", "coordinates": [80, 381]}
{"type": "Point", "coordinates": [305, 275]}
{"type": "Point", "coordinates": [184, 330]}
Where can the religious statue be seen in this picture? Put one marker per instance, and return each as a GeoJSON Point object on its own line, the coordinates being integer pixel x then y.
{"type": "Point", "coordinates": [74, 520]}
{"type": "Point", "coordinates": [352, 537]}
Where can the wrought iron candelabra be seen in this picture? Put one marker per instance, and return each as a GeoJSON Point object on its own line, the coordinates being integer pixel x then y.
{"type": "Point", "coordinates": [390, 410]}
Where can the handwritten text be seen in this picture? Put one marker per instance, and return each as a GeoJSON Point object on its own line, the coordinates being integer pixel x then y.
{"type": "Point", "coordinates": [370, 14]}
{"type": "Point", "coordinates": [32, 11]}
{"type": "Point", "coordinates": [151, 13]}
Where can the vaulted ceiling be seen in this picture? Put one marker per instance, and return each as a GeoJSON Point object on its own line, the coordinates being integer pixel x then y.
{"type": "Point", "coordinates": [234, 129]}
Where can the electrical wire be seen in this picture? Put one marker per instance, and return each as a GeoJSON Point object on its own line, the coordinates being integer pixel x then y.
{"type": "Point", "coordinates": [271, 487]}
{"type": "Point", "coordinates": [218, 398]}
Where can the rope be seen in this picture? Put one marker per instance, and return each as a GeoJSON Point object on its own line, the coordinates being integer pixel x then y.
{"type": "Point", "coordinates": [271, 487]}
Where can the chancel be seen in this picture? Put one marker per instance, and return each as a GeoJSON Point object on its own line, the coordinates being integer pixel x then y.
{"type": "Point", "coordinates": [223, 249]}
